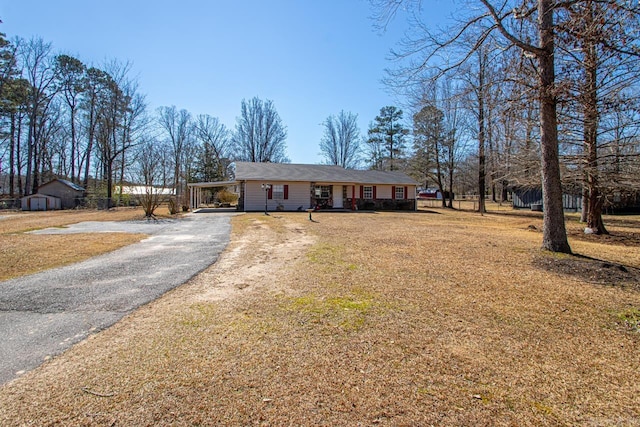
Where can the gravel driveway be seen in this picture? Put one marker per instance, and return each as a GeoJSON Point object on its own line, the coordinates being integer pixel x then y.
{"type": "Point", "coordinates": [43, 314]}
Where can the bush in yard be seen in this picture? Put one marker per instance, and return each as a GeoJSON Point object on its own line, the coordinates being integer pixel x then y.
{"type": "Point", "coordinates": [173, 206]}
{"type": "Point", "coordinates": [225, 196]}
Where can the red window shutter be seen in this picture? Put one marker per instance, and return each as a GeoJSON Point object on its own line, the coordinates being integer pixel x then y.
{"type": "Point", "coordinates": [286, 191]}
{"type": "Point", "coordinates": [374, 192]}
{"type": "Point", "coordinates": [406, 192]}
{"type": "Point", "coordinates": [393, 191]}
{"type": "Point", "coordinates": [270, 192]}
{"type": "Point", "coordinates": [362, 191]}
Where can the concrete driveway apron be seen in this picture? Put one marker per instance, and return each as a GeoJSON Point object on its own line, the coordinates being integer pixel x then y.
{"type": "Point", "coordinates": [43, 314]}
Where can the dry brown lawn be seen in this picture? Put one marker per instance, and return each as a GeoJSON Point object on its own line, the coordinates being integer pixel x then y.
{"type": "Point", "coordinates": [22, 253]}
{"type": "Point", "coordinates": [445, 318]}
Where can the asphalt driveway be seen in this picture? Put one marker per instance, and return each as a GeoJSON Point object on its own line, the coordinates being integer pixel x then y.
{"type": "Point", "coordinates": [43, 314]}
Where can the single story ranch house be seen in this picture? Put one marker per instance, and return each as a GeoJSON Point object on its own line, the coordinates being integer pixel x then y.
{"type": "Point", "coordinates": [295, 187]}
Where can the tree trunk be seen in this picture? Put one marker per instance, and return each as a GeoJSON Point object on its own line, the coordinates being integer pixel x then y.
{"type": "Point", "coordinates": [37, 158]}
{"type": "Point", "coordinates": [19, 155]}
{"type": "Point", "coordinates": [27, 183]}
{"type": "Point", "coordinates": [450, 203]}
{"type": "Point", "coordinates": [73, 144]}
{"type": "Point", "coordinates": [595, 224]}
{"type": "Point", "coordinates": [439, 176]}
{"type": "Point", "coordinates": [481, 135]}
{"type": "Point", "coordinates": [554, 235]}
{"type": "Point", "coordinates": [481, 157]}
{"type": "Point", "coordinates": [585, 200]}
{"type": "Point", "coordinates": [12, 145]}
{"type": "Point", "coordinates": [87, 166]}
{"type": "Point", "coordinates": [109, 172]}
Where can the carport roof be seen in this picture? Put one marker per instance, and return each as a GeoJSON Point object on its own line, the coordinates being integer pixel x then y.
{"type": "Point", "coordinates": [211, 184]}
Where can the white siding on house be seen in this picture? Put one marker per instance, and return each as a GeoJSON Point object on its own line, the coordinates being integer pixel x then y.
{"type": "Point", "coordinates": [298, 195]}
{"type": "Point", "coordinates": [385, 191]}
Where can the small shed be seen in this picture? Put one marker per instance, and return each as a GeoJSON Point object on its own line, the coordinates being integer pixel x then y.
{"type": "Point", "coordinates": [40, 202]}
{"type": "Point", "coordinates": [70, 194]}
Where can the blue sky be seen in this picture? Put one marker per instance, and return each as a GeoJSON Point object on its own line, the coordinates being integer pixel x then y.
{"type": "Point", "coordinates": [312, 58]}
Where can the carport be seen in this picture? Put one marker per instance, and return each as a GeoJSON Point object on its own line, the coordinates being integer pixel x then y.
{"type": "Point", "coordinates": [195, 191]}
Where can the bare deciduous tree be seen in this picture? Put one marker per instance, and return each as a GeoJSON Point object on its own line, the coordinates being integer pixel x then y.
{"type": "Point", "coordinates": [120, 118]}
{"type": "Point", "coordinates": [600, 50]}
{"type": "Point", "coordinates": [149, 172]}
{"type": "Point", "coordinates": [213, 148]}
{"type": "Point", "coordinates": [260, 135]}
{"type": "Point", "coordinates": [340, 142]}
{"type": "Point", "coordinates": [72, 83]}
{"type": "Point", "coordinates": [428, 139]}
{"type": "Point", "coordinates": [40, 72]}
{"type": "Point", "coordinates": [176, 124]}
{"type": "Point", "coordinates": [505, 20]}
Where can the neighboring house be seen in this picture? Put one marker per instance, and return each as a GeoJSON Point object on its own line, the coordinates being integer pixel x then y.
{"type": "Point", "coordinates": [617, 202]}
{"type": "Point", "coordinates": [623, 202]}
{"type": "Point", "coordinates": [531, 198]}
{"type": "Point", "coordinates": [291, 187]}
{"type": "Point", "coordinates": [70, 194]}
{"type": "Point", "coordinates": [141, 190]}
{"type": "Point", "coordinates": [430, 193]}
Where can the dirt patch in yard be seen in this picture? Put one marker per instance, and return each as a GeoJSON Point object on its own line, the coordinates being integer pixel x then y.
{"type": "Point", "coordinates": [253, 259]}
{"type": "Point", "coordinates": [360, 319]}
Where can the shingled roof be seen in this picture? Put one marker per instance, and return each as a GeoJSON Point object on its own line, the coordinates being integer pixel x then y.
{"type": "Point", "coordinates": [69, 184]}
{"type": "Point", "coordinates": [247, 171]}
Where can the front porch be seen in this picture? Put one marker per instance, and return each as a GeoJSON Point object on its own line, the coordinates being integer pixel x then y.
{"type": "Point", "coordinates": [332, 196]}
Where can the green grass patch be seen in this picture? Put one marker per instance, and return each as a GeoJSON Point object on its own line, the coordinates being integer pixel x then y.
{"type": "Point", "coordinates": [346, 312]}
{"type": "Point", "coordinates": [542, 408]}
{"type": "Point", "coordinates": [323, 253]}
{"type": "Point", "coordinates": [556, 255]}
{"type": "Point", "coordinates": [330, 258]}
{"type": "Point", "coordinates": [629, 319]}
{"type": "Point", "coordinates": [199, 315]}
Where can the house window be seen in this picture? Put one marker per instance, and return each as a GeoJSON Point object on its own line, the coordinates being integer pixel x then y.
{"type": "Point", "coordinates": [278, 191]}
{"type": "Point", "coordinates": [323, 191]}
{"type": "Point", "coordinates": [399, 193]}
{"type": "Point", "coordinates": [367, 192]}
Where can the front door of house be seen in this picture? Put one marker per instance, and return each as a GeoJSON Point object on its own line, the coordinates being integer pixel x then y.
{"type": "Point", "coordinates": [337, 197]}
